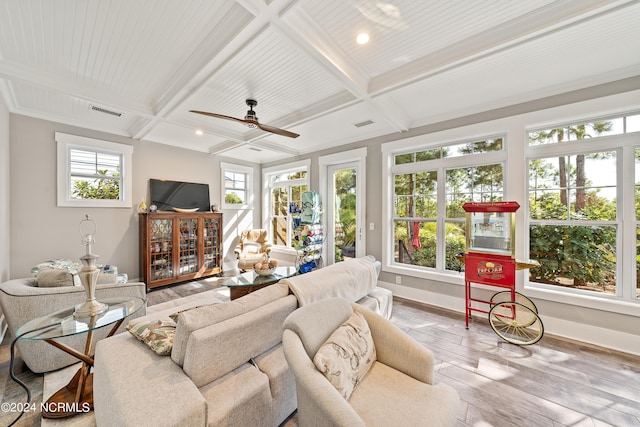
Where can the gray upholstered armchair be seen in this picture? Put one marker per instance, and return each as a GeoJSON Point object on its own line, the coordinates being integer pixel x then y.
{"type": "Point", "coordinates": [396, 390]}
{"type": "Point", "coordinates": [22, 300]}
{"type": "Point", "coordinates": [252, 247]}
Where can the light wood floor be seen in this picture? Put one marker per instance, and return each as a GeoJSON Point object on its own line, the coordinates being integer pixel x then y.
{"type": "Point", "coordinates": [552, 383]}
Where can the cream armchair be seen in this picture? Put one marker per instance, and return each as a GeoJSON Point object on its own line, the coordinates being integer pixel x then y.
{"type": "Point", "coordinates": [252, 247]}
{"type": "Point", "coordinates": [22, 300]}
{"type": "Point", "coordinates": [398, 389]}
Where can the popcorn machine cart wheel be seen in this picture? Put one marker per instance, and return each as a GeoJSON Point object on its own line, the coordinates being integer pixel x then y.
{"type": "Point", "coordinates": [489, 260]}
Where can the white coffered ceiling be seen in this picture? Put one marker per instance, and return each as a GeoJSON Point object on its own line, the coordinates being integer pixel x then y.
{"type": "Point", "coordinates": [426, 61]}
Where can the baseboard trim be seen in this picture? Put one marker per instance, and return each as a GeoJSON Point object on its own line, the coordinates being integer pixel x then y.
{"type": "Point", "coordinates": [607, 338]}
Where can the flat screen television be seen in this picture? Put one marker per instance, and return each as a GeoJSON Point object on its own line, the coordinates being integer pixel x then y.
{"type": "Point", "coordinates": [167, 195]}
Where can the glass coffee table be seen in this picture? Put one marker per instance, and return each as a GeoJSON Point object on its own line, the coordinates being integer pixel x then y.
{"type": "Point", "coordinates": [250, 281]}
{"type": "Point", "coordinates": [77, 396]}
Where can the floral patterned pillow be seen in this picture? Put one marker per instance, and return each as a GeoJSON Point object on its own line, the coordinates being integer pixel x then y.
{"type": "Point", "coordinates": [346, 357]}
{"type": "Point", "coordinates": [156, 334]}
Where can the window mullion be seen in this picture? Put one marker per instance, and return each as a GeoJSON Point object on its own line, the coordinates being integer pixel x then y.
{"type": "Point", "coordinates": [628, 228]}
{"type": "Point", "coordinates": [440, 221]}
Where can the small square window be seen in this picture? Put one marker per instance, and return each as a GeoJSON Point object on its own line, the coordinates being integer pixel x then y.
{"type": "Point", "coordinates": [236, 186]}
{"type": "Point", "coordinates": [93, 173]}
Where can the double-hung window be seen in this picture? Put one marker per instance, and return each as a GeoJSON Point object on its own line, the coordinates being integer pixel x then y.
{"type": "Point", "coordinates": [584, 207]}
{"type": "Point", "coordinates": [428, 187]}
{"type": "Point", "coordinates": [282, 200]}
{"type": "Point", "coordinates": [93, 173]}
{"type": "Point", "coordinates": [236, 186]}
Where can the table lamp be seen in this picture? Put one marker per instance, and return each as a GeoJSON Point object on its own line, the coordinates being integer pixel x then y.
{"type": "Point", "coordinates": [89, 272]}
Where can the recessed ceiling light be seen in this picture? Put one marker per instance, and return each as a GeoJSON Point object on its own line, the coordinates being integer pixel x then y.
{"type": "Point", "coordinates": [362, 38]}
{"type": "Point", "coordinates": [199, 132]}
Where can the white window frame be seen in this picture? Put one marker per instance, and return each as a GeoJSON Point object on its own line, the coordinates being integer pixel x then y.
{"type": "Point", "coordinates": [626, 223]}
{"type": "Point", "coordinates": [267, 186]}
{"type": "Point", "coordinates": [65, 143]}
{"type": "Point", "coordinates": [427, 142]}
{"type": "Point", "coordinates": [248, 172]}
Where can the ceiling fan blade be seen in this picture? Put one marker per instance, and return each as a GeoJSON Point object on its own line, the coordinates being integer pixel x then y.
{"type": "Point", "coordinates": [251, 123]}
{"type": "Point", "coordinates": [277, 131]}
{"type": "Point", "coordinates": [220, 116]}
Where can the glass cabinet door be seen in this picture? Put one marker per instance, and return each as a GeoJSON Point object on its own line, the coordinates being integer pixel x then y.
{"type": "Point", "coordinates": [161, 249]}
{"type": "Point", "coordinates": [188, 260]}
{"type": "Point", "coordinates": [211, 230]}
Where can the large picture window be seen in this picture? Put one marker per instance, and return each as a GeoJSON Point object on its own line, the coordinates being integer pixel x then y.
{"type": "Point", "coordinates": [93, 173]}
{"type": "Point", "coordinates": [577, 193]}
{"type": "Point", "coordinates": [283, 200]}
{"type": "Point", "coordinates": [429, 187]}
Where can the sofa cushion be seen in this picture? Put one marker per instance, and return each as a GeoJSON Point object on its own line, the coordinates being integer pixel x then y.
{"type": "Point", "coordinates": [281, 382]}
{"type": "Point", "coordinates": [219, 348]}
{"type": "Point", "coordinates": [240, 398]}
{"type": "Point", "coordinates": [346, 357]}
{"type": "Point", "coordinates": [202, 317]}
{"type": "Point", "coordinates": [134, 387]}
{"type": "Point", "coordinates": [414, 402]}
{"type": "Point", "coordinates": [107, 278]}
{"type": "Point", "coordinates": [156, 334]}
{"type": "Point", "coordinates": [54, 277]}
{"type": "Point", "coordinates": [352, 279]}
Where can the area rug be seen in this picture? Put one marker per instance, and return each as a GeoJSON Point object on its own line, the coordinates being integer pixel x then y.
{"type": "Point", "coordinates": [54, 381]}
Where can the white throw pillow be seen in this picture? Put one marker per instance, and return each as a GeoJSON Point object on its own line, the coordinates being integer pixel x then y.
{"type": "Point", "coordinates": [346, 357]}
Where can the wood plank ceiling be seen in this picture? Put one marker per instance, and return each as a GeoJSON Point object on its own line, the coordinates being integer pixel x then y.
{"type": "Point", "coordinates": [426, 61]}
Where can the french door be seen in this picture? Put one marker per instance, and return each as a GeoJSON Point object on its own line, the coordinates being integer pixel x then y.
{"type": "Point", "coordinates": [344, 178]}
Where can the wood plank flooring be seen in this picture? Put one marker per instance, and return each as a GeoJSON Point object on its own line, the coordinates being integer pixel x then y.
{"type": "Point", "coordinates": [553, 383]}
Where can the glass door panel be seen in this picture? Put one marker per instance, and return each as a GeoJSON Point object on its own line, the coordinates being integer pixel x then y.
{"type": "Point", "coordinates": [343, 217]}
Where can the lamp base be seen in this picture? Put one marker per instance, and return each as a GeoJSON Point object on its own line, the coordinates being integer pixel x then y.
{"type": "Point", "coordinates": [90, 308]}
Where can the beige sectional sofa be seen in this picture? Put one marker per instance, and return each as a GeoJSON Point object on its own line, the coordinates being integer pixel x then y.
{"type": "Point", "coordinates": [227, 366]}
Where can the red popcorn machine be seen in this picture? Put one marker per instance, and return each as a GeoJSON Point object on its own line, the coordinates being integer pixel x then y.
{"type": "Point", "coordinates": [489, 260]}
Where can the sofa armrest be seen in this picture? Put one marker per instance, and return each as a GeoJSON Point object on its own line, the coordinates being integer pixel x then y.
{"type": "Point", "coordinates": [397, 349]}
{"type": "Point", "coordinates": [133, 386]}
{"type": "Point", "coordinates": [319, 403]}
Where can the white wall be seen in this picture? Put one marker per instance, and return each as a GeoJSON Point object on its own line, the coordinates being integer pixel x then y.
{"type": "Point", "coordinates": [4, 201]}
{"type": "Point", "coordinates": [41, 231]}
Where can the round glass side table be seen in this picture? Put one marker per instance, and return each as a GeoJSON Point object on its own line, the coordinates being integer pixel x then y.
{"type": "Point", "coordinates": [77, 396]}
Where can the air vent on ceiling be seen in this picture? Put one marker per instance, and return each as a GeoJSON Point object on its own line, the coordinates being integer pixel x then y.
{"type": "Point", "coordinates": [254, 149]}
{"type": "Point", "coordinates": [365, 123]}
{"type": "Point", "coordinates": [104, 110]}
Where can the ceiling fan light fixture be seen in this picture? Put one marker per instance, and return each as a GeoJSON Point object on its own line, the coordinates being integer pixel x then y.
{"type": "Point", "coordinates": [251, 120]}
